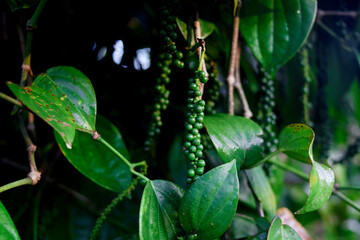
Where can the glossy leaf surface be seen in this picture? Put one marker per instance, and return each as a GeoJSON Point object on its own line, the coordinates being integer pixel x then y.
{"type": "Point", "coordinates": [235, 137]}
{"type": "Point", "coordinates": [75, 89]}
{"type": "Point", "coordinates": [8, 230]}
{"type": "Point", "coordinates": [209, 205]}
{"type": "Point", "coordinates": [278, 231]}
{"type": "Point", "coordinates": [321, 186]}
{"type": "Point", "coordinates": [159, 218]}
{"type": "Point", "coordinates": [64, 98]}
{"type": "Point", "coordinates": [260, 184]}
{"type": "Point", "coordinates": [95, 161]}
{"type": "Point", "coordinates": [275, 30]}
{"type": "Point", "coordinates": [296, 141]}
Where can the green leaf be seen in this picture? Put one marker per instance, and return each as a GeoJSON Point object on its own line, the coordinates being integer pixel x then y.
{"type": "Point", "coordinates": [261, 186]}
{"type": "Point", "coordinates": [206, 29]}
{"type": "Point", "coordinates": [321, 186]}
{"type": "Point", "coordinates": [235, 137]}
{"type": "Point", "coordinates": [296, 140]}
{"type": "Point", "coordinates": [244, 226]}
{"type": "Point", "coordinates": [7, 228]}
{"type": "Point", "coordinates": [48, 107]}
{"type": "Point", "coordinates": [159, 218]}
{"type": "Point", "coordinates": [75, 89]}
{"type": "Point", "coordinates": [20, 4]}
{"type": "Point", "coordinates": [279, 231]}
{"type": "Point", "coordinates": [64, 98]}
{"type": "Point", "coordinates": [275, 30]}
{"type": "Point", "coordinates": [209, 205]}
{"type": "Point", "coordinates": [95, 161]}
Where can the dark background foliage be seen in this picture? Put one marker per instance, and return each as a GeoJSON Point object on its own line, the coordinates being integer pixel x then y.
{"type": "Point", "coordinates": [73, 32]}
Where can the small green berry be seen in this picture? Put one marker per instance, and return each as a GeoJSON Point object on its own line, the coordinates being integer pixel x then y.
{"type": "Point", "coordinates": [191, 172]}
{"type": "Point", "coordinates": [199, 171]}
{"type": "Point", "coordinates": [201, 163]}
{"type": "Point", "coordinates": [191, 156]}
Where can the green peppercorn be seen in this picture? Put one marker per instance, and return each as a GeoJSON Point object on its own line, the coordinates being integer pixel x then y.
{"type": "Point", "coordinates": [191, 172]}
{"type": "Point", "coordinates": [199, 171]}
{"type": "Point", "coordinates": [201, 163]}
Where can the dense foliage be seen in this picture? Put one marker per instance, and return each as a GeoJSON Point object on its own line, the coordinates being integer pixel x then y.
{"type": "Point", "coordinates": [180, 119]}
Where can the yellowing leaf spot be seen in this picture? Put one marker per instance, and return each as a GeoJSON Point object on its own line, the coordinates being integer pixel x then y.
{"type": "Point", "coordinates": [79, 102]}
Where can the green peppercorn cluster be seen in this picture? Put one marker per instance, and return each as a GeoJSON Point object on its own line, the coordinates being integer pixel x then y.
{"type": "Point", "coordinates": [194, 123]}
{"type": "Point", "coordinates": [266, 116]}
{"type": "Point", "coordinates": [168, 57]}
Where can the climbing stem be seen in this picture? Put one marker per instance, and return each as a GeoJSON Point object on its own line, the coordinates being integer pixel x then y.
{"type": "Point", "coordinates": [346, 200]}
{"type": "Point", "coordinates": [129, 164]}
{"type": "Point", "coordinates": [18, 183]}
{"type": "Point", "coordinates": [10, 99]}
{"type": "Point", "coordinates": [202, 56]}
{"type": "Point", "coordinates": [289, 168]}
{"type": "Point", "coordinates": [265, 159]}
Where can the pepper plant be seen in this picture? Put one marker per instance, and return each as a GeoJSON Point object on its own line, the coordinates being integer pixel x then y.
{"type": "Point", "coordinates": [232, 153]}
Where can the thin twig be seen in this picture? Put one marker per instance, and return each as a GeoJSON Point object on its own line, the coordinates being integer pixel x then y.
{"type": "Point", "coordinates": [34, 174]}
{"type": "Point", "coordinates": [234, 48]}
{"type": "Point", "coordinates": [10, 99]}
{"type": "Point", "coordinates": [239, 88]}
{"type": "Point", "coordinates": [323, 13]}
{"type": "Point", "coordinates": [346, 200]}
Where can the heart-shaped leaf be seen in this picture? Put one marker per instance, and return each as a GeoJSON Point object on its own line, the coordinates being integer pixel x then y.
{"type": "Point", "coordinates": [209, 205]}
{"type": "Point", "coordinates": [260, 184]}
{"type": "Point", "coordinates": [206, 29]}
{"type": "Point", "coordinates": [95, 161]}
{"type": "Point", "coordinates": [235, 137]}
{"type": "Point", "coordinates": [159, 218]}
{"type": "Point", "coordinates": [8, 230]}
{"type": "Point", "coordinates": [278, 231]}
{"type": "Point", "coordinates": [296, 140]}
{"type": "Point", "coordinates": [64, 98]}
{"type": "Point", "coordinates": [276, 29]}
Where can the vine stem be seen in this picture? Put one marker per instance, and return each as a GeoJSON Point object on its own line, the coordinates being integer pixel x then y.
{"type": "Point", "coordinates": [200, 50]}
{"type": "Point", "coordinates": [30, 26]}
{"type": "Point", "coordinates": [129, 164]}
{"type": "Point", "coordinates": [289, 168]}
{"type": "Point", "coordinates": [34, 175]}
{"type": "Point", "coordinates": [18, 183]}
{"type": "Point", "coordinates": [10, 99]}
{"type": "Point", "coordinates": [238, 86]}
{"type": "Point", "coordinates": [346, 200]}
{"type": "Point", "coordinates": [234, 48]}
